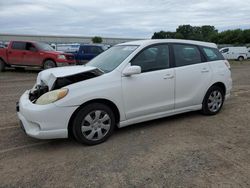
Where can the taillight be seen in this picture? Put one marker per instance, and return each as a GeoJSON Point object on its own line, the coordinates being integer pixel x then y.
{"type": "Point", "coordinates": [227, 64]}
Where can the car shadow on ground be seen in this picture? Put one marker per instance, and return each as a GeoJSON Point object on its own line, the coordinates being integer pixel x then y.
{"type": "Point", "coordinates": [23, 70]}
{"type": "Point", "coordinates": [166, 121]}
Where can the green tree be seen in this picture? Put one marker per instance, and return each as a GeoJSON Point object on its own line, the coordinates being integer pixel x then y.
{"type": "Point", "coordinates": [163, 35]}
{"type": "Point", "coordinates": [208, 32]}
{"type": "Point", "coordinates": [179, 36]}
{"type": "Point", "coordinates": [185, 30]}
{"type": "Point", "coordinates": [159, 35]}
{"type": "Point", "coordinates": [97, 39]}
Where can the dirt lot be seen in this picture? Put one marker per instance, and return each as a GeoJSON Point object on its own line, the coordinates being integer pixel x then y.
{"type": "Point", "coordinates": [188, 150]}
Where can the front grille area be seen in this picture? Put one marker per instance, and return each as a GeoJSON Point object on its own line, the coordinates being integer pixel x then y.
{"type": "Point", "coordinates": [69, 57]}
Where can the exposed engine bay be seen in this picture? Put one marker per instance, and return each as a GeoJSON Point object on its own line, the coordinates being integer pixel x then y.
{"type": "Point", "coordinates": [60, 82]}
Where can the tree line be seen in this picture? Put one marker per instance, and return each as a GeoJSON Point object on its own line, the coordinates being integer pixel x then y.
{"type": "Point", "coordinates": [206, 33]}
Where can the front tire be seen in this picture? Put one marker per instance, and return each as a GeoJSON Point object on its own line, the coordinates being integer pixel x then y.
{"type": "Point", "coordinates": [213, 100]}
{"type": "Point", "coordinates": [93, 124]}
{"type": "Point", "coordinates": [2, 66]}
{"type": "Point", "coordinates": [48, 64]}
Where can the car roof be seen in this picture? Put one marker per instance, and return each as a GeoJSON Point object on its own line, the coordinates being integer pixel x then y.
{"type": "Point", "coordinates": [92, 45]}
{"type": "Point", "coordinates": [156, 41]}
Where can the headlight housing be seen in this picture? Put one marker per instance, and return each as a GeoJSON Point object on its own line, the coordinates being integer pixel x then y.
{"type": "Point", "coordinates": [52, 96]}
{"type": "Point", "coordinates": [61, 56]}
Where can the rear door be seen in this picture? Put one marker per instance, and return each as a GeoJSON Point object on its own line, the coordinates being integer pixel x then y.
{"type": "Point", "coordinates": [193, 75]}
{"type": "Point", "coordinates": [16, 53]}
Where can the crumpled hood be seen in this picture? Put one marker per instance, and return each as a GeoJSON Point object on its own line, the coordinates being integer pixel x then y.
{"type": "Point", "coordinates": [49, 76]}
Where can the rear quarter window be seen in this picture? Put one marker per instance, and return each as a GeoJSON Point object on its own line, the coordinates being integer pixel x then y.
{"type": "Point", "coordinates": [212, 54]}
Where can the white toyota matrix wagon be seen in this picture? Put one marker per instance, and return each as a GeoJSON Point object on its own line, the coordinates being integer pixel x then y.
{"type": "Point", "coordinates": [127, 84]}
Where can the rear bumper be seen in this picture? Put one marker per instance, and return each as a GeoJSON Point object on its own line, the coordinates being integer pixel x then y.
{"type": "Point", "coordinates": [43, 121]}
{"type": "Point", "coordinates": [229, 88]}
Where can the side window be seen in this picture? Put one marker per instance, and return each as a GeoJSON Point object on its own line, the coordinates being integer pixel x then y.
{"type": "Point", "coordinates": [85, 50]}
{"type": "Point", "coordinates": [153, 58]}
{"type": "Point", "coordinates": [30, 46]}
{"type": "Point", "coordinates": [224, 50]}
{"type": "Point", "coordinates": [186, 55]}
{"type": "Point", "coordinates": [212, 54]}
{"type": "Point", "coordinates": [18, 45]}
{"type": "Point", "coordinates": [95, 50]}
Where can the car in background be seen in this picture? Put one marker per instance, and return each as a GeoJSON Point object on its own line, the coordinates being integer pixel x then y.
{"type": "Point", "coordinates": [21, 54]}
{"type": "Point", "coordinates": [234, 53]}
{"type": "Point", "coordinates": [248, 55]}
{"type": "Point", "coordinates": [68, 48]}
{"type": "Point", "coordinates": [129, 83]}
{"type": "Point", "coordinates": [87, 52]}
{"type": "Point", "coordinates": [2, 46]}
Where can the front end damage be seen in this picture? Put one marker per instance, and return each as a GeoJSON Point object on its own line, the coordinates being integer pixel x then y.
{"type": "Point", "coordinates": [39, 115]}
{"type": "Point", "coordinates": [58, 78]}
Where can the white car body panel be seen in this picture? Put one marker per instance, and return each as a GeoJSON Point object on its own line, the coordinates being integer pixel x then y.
{"type": "Point", "coordinates": [138, 101]}
{"type": "Point", "coordinates": [138, 98]}
{"type": "Point", "coordinates": [191, 84]}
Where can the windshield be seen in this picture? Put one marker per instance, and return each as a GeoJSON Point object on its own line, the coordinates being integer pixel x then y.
{"type": "Point", "coordinates": [44, 47]}
{"type": "Point", "coordinates": [112, 58]}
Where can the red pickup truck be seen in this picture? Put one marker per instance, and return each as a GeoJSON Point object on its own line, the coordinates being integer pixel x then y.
{"type": "Point", "coordinates": [28, 53]}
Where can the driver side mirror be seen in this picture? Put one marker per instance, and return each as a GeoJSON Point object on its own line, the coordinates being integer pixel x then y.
{"type": "Point", "coordinates": [131, 70]}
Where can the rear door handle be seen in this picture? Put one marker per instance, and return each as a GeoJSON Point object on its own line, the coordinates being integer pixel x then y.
{"type": "Point", "coordinates": [168, 76]}
{"type": "Point", "coordinates": [204, 70]}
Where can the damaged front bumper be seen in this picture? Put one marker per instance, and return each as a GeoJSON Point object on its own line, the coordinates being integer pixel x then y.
{"type": "Point", "coordinates": [43, 121]}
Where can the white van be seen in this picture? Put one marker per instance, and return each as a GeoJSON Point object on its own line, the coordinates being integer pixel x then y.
{"type": "Point", "coordinates": [236, 53]}
{"type": "Point", "coordinates": [248, 54]}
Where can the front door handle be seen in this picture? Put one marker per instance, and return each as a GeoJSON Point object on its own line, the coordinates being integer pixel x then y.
{"type": "Point", "coordinates": [168, 76]}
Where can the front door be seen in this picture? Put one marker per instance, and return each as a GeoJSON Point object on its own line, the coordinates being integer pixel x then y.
{"type": "Point", "coordinates": [32, 56]}
{"type": "Point", "coordinates": [152, 91]}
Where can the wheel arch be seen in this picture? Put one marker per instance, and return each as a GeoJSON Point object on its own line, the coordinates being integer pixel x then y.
{"type": "Point", "coordinates": [48, 58]}
{"type": "Point", "coordinates": [1, 59]}
{"type": "Point", "coordinates": [221, 85]}
{"type": "Point", "coordinates": [107, 102]}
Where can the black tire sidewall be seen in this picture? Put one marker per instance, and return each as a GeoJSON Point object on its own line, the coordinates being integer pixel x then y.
{"type": "Point", "coordinates": [49, 61]}
{"type": "Point", "coordinates": [2, 66]}
{"type": "Point", "coordinates": [241, 58]}
{"type": "Point", "coordinates": [81, 115]}
{"type": "Point", "coordinates": [205, 108]}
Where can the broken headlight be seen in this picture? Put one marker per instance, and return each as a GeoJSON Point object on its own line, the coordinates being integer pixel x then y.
{"type": "Point", "coordinates": [52, 96]}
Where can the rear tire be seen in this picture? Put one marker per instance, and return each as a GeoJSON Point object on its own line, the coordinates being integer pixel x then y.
{"type": "Point", "coordinates": [213, 100]}
{"type": "Point", "coordinates": [2, 66]}
{"type": "Point", "coordinates": [241, 58]}
{"type": "Point", "coordinates": [49, 64]}
{"type": "Point", "coordinates": [93, 124]}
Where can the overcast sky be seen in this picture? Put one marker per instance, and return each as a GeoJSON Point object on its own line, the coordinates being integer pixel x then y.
{"type": "Point", "coordinates": [118, 18]}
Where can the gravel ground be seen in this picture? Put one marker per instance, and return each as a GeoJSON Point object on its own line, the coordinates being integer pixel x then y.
{"type": "Point", "coordinates": [187, 150]}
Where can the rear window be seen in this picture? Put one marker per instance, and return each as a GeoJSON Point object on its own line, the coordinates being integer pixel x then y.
{"type": "Point", "coordinates": [19, 45]}
{"type": "Point", "coordinates": [212, 54]}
